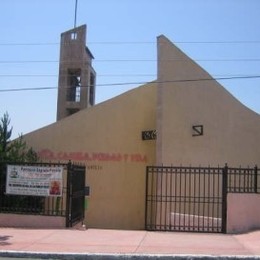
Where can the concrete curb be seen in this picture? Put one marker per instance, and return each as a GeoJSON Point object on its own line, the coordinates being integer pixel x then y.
{"type": "Point", "coordinates": [92, 256]}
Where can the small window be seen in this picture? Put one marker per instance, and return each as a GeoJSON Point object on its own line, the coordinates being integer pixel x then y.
{"type": "Point", "coordinates": [78, 89]}
{"type": "Point", "coordinates": [74, 36]}
{"type": "Point", "coordinates": [74, 85]}
{"type": "Point", "coordinates": [92, 89]}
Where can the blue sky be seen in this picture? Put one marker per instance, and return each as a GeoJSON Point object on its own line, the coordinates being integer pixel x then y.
{"type": "Point", "coordinates": [223, 36]}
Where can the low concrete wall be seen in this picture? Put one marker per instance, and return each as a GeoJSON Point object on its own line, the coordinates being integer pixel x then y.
{"type": "Point", "coordinates": [243, 212]}
{"type": "Point", "coordinates": [31, 221]}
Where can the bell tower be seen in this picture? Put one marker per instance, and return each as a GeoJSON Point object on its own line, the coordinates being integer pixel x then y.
{"type": "Point", "coordinates": [77, 78]}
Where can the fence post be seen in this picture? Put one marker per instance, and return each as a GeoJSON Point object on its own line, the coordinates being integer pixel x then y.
{"type": "Point", "coordinates": [255, 179]}
{"type": "Point", "coordinates": [146, 198]}
{"type": "Point", "coordinates": [224, 198]}
{"type": "Point", "coordinates": [68, 195]}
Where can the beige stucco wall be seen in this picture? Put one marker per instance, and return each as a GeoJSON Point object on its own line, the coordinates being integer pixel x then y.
{"type": "Point", "coordinates": [231, 131]}
{"type": "Point", "coordinates": [107, 137]}
{"type": "Point", "coordinates": [31, 221]}
{"type": "Point", "coordinates": [243, 212]}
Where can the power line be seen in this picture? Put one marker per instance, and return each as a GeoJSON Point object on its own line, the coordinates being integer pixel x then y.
{"type": "Point", "coordinates": [177, 60]}
{"type": "Point", "coordinates": [27, 75]}
{"type": "Point", "coordinates": [136, 83]}
{"type": "Point", "coordinates": [133, 60]}
{"type": "Point", "coordinates": [115, 75]}
{"type": "Point", "coordinates": [30, 44]}
{"type": "Point", "coordinates": [56, 75]}
{"type": "Point", "coordinates": [26, 89]}
{"type": "Point", "coordinates": [28, 61]}
{"type": "Point", "coordinates": [132, 42]}
{"type": "Point", "coordinates": [176, 42]}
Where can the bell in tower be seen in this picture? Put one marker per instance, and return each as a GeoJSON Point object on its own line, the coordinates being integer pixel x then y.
{"type": "Point", "coordinates": [77, 78]}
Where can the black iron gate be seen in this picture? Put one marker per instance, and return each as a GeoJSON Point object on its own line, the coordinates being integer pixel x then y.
{"type": "Point", "coordinates": [194, 199]}
{"type": "Point", "coordinates": [186, 199]}
{"type": "Point", "coordinates": [75, 194]}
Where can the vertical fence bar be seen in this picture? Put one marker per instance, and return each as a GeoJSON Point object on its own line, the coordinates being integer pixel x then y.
{"type": "Point", "coordinates": [224, 199]}
{"type": "Point", "coordinates": [204, 198]}
{"type": "Point", "coordinates": [184, 200]}
{"type": "Point", "coordinates": [255, 179]}
{"type": "Point", "coordinates": [68, 202]}
{"type": "Point", "coordinates": [219, 198]}
{"type": "Point", "coordinates": [199, 199]}
{"type": "Point", "coordinates": [165, 198]}
{"type": "Point", "coordinates": [154, 200]}
{"type": "Point", "coordinates": [247, 186]}
{"type": "Point", "coordinates": [161, 198]}
{"type": "Point", "coordinates": [146, 197]}
{"type": "Point", "coordinates": [175, 198]}
{"type": "Point", "coordinates": [151, 198]}
{"type": "Point", "coordinates": [152, 216]}
{"type": "Point", "coordinates": [215, 173]}
{"type": "Point", "coordinates": [170, 222]}
{"type": "Point", "coordinates": [239, 178]}
{"type": "Point", "coordinates": [194, 198]}
{"type": "Point", "coordinates": [180, 199]}
{"type": "Point", "coordinates": [209, 227]}
{"type": "Point", "coordinates": [189, 224]}
{"type": "Point", "coordinates": [154, 197]}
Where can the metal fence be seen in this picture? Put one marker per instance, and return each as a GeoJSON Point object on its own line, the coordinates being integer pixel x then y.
{"type": "Point", "coordinates": [243, 180]}
{"type": "Point", "coordinates": [193, 198]}
{"type": "Point", "coordinates": [22, 204]}
{"type": "Point", "coordinates": [76, 194]}
{"type": "Point", "coordinates": [69, 205]}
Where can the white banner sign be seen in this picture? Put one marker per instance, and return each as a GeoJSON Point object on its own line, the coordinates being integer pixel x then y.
{"type": "Point", "coordinates": [34, 180]}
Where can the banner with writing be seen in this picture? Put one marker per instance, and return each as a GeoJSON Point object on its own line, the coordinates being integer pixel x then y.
{"type": "Point", "coordinates": [34, 180]}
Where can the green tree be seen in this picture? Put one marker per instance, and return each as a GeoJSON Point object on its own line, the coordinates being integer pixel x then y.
{"type": "Point", "coordinates": [13, 151]}
{"type": "Point", "coordinates": [19, 152]}
{"type": "Point", "coordinates": [5, 135]}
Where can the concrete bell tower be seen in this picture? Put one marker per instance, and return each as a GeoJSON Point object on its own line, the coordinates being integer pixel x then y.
{"type": "Point", "coordinates": [77, 78]}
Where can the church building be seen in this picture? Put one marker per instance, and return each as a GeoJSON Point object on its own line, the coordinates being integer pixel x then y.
{"type": "Point", "coordinates": [183, 117]}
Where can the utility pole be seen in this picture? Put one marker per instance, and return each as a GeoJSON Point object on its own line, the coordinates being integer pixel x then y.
{"type": "Point", "coordinates": [75, 18]}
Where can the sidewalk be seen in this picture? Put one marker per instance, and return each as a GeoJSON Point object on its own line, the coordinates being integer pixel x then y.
{"type": "Point", "coordinates": [117, 244]}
